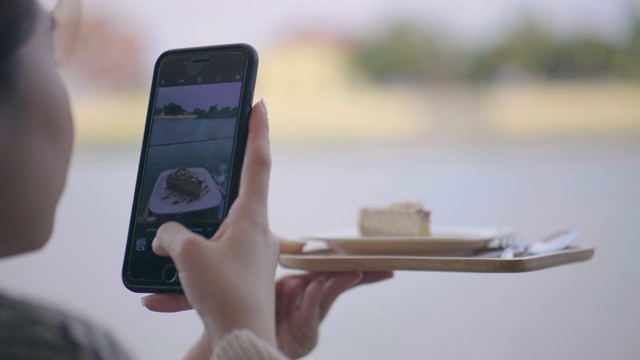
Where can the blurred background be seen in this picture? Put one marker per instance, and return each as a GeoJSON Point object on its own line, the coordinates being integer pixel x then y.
{"type": "Point", "coordinates": [507, 112]}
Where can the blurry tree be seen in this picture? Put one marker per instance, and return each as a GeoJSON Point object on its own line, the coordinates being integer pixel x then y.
{"type": "Point", "coordinates": [530, 50]}
{"type": "Point", "coordinates": [405, 52]}
{"type": "Point", "coordinates": [200, 113]}
{"type": "Point", "coordinates": [533, 50]}
{"type": "Point", "coordinates": [224, 113]}
{"type": "Point", "coordinates": [173, 109]}
{"type": "Point", "coordinates": [213, 109]}
{"type": "Point", "coordinates": [627, 62]}
{"type": "Point", "coordinates": [585, 57]}
{"type": "Point", "coordinates": [634, 39]}
{"type": "Point", "coordinates": [227, 112]}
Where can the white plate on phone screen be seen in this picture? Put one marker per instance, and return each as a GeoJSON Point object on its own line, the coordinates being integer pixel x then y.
{"type": "Point", "coordinates": [165, 201]}
{"type": "Point", "coordinates": [443, 240]}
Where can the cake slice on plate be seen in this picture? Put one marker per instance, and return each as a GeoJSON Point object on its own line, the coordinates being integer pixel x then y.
{"type": "Point", "coordinates": [401, 219]}
{"type": "Point", "coordinates": [184, 181]}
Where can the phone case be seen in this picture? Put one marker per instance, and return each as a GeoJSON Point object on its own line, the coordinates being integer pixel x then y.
{"type": "Point", "coordinates": [233, 181]}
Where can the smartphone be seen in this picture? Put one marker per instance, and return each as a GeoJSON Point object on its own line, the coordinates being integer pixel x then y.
{"type": "Point", "coordinates": [192, 153]}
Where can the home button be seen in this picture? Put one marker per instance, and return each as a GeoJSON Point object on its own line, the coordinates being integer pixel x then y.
{"type": "Point", "coordinates": [169, 273]}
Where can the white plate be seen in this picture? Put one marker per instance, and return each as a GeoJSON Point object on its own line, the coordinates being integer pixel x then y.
{"type": "Point", "coordinates": [443, 240]}
{"type": "Point", "coordinates": [165, 201]}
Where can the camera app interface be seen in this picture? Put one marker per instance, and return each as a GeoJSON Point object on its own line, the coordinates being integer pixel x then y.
{"type": "Point", "coordinates": [188, 158]}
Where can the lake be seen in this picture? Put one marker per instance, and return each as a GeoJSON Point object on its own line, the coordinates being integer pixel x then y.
{"type": "Point", "coordinates": [580, 311]}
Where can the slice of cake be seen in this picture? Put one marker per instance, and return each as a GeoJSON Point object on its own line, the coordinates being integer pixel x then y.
{"type": "Point", "coordinates": [402, 219]}
{"type": "Point", "coordinates": [184, 181]}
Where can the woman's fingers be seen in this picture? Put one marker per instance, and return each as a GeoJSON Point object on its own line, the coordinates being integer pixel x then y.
{"type": "Point", "coordinates": [310, 306]}
{"type": "Point", "coordinates": [335, 285]}
{"type": "Point", "coordinates": [173, 239]}
{"type": "Point", "coordinates": [166, 302]}
{"type": "Point", "coordinates": [374, 276]}
{"type": "Point", "coordinates": [322, 288]}
{"type": "Point", "coordinates": [254, 183]}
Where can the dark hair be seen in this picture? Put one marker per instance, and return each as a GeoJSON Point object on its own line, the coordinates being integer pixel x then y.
{"type": "Point", "coordinates": [17, 19]}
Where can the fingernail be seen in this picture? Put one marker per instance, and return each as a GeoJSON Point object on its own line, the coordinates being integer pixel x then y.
{"type": "Point", "coordinates": [264, 106]}
{"type": "Point", "coordinates": [360, 275]}
{"type": "Point", "coordinates": [142, 302]}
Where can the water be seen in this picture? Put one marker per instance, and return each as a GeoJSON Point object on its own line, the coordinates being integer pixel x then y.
{"type": "Point", "coordinates": [171, 131]}
{"type": "Point", "coordinates": [580, 311]}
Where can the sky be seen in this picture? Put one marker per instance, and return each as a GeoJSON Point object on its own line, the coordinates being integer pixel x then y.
{"type": "Point", "coordinates": [200, 96]}
{"type": "Point", "coordinates": [172, 24]}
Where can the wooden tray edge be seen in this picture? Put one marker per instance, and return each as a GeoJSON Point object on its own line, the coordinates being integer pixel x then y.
{"type": "Point", "coordinates": [329, 261]}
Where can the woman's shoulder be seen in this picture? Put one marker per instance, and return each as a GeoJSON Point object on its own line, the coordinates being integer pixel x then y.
{"type": "Point", "coordinates": [34, 331]}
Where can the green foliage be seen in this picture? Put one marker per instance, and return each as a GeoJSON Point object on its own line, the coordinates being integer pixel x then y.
{"type": "Point", "coordinates": [201, 114]}
{"type": "Point", "coordinates": [404, 52]}
{"type": "Point", "coordinates": [172, 109]}
{"type": "Point", "coordinates": [531, 50]}
{"type": "Point", "coordinates": [224, 113]}
{"type": "Point", "coordinates": [214, 112]}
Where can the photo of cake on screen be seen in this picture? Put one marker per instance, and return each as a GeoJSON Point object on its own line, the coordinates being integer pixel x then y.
{"type": "Point", "coordinates": [189, 153]}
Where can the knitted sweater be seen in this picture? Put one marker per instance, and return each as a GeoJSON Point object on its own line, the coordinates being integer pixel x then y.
{"type": "Point", "coordinates": [244, 345]}
{"type": "Point", "coordinates": [31, 331]}
{"type": "Point", "coordinates": [36, 332]}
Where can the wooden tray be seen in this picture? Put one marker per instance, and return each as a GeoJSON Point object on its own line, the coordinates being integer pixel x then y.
{"type": "Point", "coordinates": [328, 260]}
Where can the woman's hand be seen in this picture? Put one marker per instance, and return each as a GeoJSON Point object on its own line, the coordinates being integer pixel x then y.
{"type": "Point", "coordinates": [302, 302]}
{"type": "Point", "coordinates": [229, 280]}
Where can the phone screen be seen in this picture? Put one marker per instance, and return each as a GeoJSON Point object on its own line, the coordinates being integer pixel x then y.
{"type": "Point", "coordinates": [188, 152]}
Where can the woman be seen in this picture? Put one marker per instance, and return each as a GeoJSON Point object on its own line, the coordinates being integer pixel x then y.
{"type": "Point", "coordinates": [236, 305]}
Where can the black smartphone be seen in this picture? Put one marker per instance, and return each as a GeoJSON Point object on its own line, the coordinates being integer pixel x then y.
{"type": "Point", "coordinates": [192, 153]}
